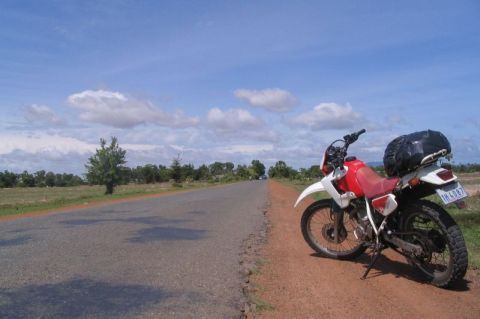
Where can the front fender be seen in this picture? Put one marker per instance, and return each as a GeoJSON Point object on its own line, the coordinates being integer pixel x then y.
{"type": "Point", "coordinates": [314, 188]}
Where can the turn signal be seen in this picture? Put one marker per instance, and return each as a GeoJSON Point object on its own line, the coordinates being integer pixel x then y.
{"type": "Point", "coordinates": [414, 182]}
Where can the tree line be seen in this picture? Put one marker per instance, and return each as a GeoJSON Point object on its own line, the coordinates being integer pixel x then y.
{"type": "Point", "coordinates": [106, 167]}
{"type": "Point", "coordinates": [146, 174]}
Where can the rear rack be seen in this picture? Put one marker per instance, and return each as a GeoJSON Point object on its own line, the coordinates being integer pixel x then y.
{"type": "Point", "coordinates": [433, 157]}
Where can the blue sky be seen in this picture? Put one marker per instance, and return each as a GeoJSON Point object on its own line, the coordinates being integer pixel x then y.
{"type": "Point", "coordinates": [233, 80]}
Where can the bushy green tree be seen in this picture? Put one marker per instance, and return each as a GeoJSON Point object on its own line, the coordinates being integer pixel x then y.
{"type": "Point", "coordinates": [258, 168]}
{"type": "Point", "coordinates": [279, 170]}
{"type": "Point", "coordinates": [164, 174]}
{"type": "Point", "coordinates": [150, 173]}
{"type": "Point", "coordinates": [27, 179]}
{"type": "Point", "coordinates": [50, 179]}
{"type": "Point", "coordinates": [8, 179]}
{"type": "Point", "coordinates": [202, 173]}
{"type": "Point", "coordinates": [104, 167]}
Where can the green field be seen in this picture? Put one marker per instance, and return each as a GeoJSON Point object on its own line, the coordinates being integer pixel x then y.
{"type": "Point", "coordinates": [468, 219]}
{"type": "Point", "coordinates": [22, 200]}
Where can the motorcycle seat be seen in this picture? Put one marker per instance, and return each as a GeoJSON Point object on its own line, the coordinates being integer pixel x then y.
{"type": "Point", "coordinates": [374, 185]}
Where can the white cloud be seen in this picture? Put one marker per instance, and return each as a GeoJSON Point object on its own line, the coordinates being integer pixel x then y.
{"type": "Point", "coordinates": [329, 116]}
{"type": "Point", "coordinates": [231, 120]}
{"type": "Point", "coordinates": [275, 100]}
{"type": "Point", "coordinates": [33, 144]}
{"type": "Point", "coordinates": [42, 114]}
{"type": "Point", "coordinates": [118, 110]}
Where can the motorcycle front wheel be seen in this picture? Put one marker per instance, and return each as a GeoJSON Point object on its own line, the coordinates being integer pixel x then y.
{"type": "Point", "coordinates": [318, 230]}
{"type": "Point", "coordinates": [444, 258]}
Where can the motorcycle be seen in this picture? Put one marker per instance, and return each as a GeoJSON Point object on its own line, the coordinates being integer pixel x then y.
{"type": "Point", "coordinates": [367, 210]}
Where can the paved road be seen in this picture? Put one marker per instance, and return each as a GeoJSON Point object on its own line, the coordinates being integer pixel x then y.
{"type": "Point", "coordinates": [166, 257]}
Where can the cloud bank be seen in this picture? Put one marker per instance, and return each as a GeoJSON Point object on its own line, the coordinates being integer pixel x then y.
{"type": "Point", "coordinates": [121, 111]}
{"type": "Point", "coordinates": [327, 116]}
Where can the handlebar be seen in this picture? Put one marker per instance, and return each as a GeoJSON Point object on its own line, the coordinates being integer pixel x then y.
{"type": "Point", "coordinates": [339, 153]}
{"type": "Point", "coordinates": [351, 138]}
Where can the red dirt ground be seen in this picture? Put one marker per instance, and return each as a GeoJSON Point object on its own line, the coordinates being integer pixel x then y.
{"type": "Point", "coordinates": [302, 285]}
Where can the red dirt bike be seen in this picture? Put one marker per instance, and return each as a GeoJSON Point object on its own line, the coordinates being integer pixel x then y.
{"type": "Point", "coordinates": [367, 210]}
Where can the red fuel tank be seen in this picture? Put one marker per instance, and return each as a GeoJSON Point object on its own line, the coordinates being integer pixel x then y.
{"type": "Point", "coordinates": [349, 183]}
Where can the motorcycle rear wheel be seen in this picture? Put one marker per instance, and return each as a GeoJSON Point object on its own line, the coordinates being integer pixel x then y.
{"type": "Point", "coordinates": [317, 229]}
{"type": "Point", "coordinates": [445, 257]}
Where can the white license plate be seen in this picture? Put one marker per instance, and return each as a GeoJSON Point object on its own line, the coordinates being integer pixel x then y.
{"type": "Point", "coordinates": [451, 193]}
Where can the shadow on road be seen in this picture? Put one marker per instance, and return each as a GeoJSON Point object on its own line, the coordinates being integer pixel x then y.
{"type": "Point", "coordinates": [15, 241]}
{"type": "Point", "coordinates": [154, 220]}
{"type": "Point", "coordinates": [167, 233]}
{"type": "Point", "coordinates": [385, 265]}
{"type": "Point", "coordinates": [78, 298]}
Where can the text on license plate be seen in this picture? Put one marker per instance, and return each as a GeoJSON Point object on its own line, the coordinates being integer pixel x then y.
{"type": "Point", "coordinates": [451, 193]}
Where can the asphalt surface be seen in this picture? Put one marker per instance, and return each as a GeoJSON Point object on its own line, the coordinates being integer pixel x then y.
{"type": "Point", "coordinates": [168, 257]}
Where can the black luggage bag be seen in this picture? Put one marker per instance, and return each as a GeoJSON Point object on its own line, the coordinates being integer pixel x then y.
{"type": "Point", "coordinates": [405, 153]}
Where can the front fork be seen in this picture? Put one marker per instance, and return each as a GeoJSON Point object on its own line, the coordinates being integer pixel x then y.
{"type": "Point", "coordinates": [337, 221]}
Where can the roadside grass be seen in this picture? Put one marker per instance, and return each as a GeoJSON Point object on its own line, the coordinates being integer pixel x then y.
{"type": "Point", "coordinates": [253, 296]}
{"type": "Point", "coordinates": [15, 201]}
{"type": "Point", "coordinates": [468, 219]}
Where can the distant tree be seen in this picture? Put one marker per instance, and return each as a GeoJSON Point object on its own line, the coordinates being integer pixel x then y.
{"type": "Point", "coordinates": [176, 170]}
{"type": "Point", "coordinates": [315, 172]}
{"type": "Point", "coordinates": [105, 165]}
{"type": "Point", "coordinates": [258, 168]}
{"type": "Point", "coordinates": [50, 179]}
{"type": "Point", "coordinates": [229, 167]}
{"type": "Point", "coordinates": [217, 169]}
{"type": "Point", "coordinates": [202, 173]}
{"type": "Point", "coordinates": [8, 179]}
{"type": "Point", "coordinates": [150, 173]}
{"type": "Point", "coordinates": [125, 175]}
{"type": "Point", "coordinates": [137, 175]}
{"type": "Point", "coordinates": [40, 178]}
{"type": "Point", "coordinates": [27, 179]}
{"type": "Point", "coordinates": [164, 174]}
{"type": "Point", "coordinates": [279, 170]}
{"type": "Point", "coordinates": [242, 172]}
{"type": "Point", "coordinates": [188, 171]}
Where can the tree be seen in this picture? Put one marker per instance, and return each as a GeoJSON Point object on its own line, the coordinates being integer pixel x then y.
{"type": "Point", "coordinates": [229, 167]}
{"type": "Point", "coordinates": [217, 169]}
{"type": "Point", "coordinates": [105, 166]}
{"type": "Point", "coordinates": [50, 179]}
{"type": "Point", "coordinates": [280, 170]}
{"type": "Point", "coordinates": [258, 168]}
{"type": "Point", "coordinates": [243, 172]}
{"type": "Point", "coordinates": [40, 178]}
{"type": "Point", "coordinates": [8, 179]}
{"type": "Point", "coordinates": [27, 179]}
{"type": "Point", "coordinates": [202, 173]}
{"type": "Point", "coordinates": [188, 171]}
{"type": "Point", "coordinates": [150, 173]}
{"type": "Point", "coordinates": [164, 173]}
{"type": "Point", "coordinates": [176, 170]}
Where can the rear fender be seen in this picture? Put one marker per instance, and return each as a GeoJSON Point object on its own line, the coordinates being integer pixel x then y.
{"type": "Point", "coordinates": [314, 188]}
{"type": "Point", "coordinates": [428, 174]}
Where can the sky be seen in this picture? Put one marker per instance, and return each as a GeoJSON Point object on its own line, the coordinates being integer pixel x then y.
{"type": "Point", "coordinates": [233, 80]}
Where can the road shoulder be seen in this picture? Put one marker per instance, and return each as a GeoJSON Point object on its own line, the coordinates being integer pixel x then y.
{"type": "Point", "coordinates": [299, 284]}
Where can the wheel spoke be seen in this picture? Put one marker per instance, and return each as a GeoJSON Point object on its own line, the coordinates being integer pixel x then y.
{"type": "Point", "coordinates": [321, 231]}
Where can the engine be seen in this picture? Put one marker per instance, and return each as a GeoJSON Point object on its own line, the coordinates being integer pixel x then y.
{"type": "Point", "coordinates": [363, 230]}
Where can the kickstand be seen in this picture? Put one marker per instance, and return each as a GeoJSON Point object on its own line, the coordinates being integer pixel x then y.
{"type": "Point", "coordinates": [377, 250]}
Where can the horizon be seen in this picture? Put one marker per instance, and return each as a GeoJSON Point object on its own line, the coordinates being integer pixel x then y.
{"type": "Point", "coordinates": [233, 81]}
